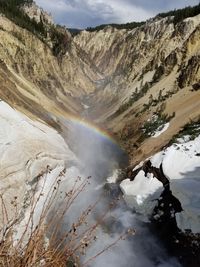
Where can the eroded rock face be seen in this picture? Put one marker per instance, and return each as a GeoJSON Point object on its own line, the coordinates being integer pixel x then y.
{"type": "Point", "coordinates": [112, 70]}
{"type": "Point", "coordinates": [128, 54]}
{"type": "Point", "coordinates": [151, 68]}
{"type": "Point", "coordinates": [124, 76]}
{"type": "Point", "coordinates": [138, 66]}
{"type": "Point", "coordinates": [37, 13]}
{"type": "Point", "coordinates": [190, 72]}
{"type": "Point", "coordinates": [37, 82]}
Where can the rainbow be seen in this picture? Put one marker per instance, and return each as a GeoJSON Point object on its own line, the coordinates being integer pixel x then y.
{"type": "Point", "coordinates": [109, 143]}
{"type": "Point", "coordinates": [103, 133]}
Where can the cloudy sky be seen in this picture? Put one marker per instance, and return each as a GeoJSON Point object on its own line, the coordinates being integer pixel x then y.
{"type": "Point", "coordinates": [87, 13]}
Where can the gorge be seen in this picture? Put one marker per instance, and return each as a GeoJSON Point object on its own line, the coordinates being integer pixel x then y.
{"type": "Point", "coordinates": [103, 103]}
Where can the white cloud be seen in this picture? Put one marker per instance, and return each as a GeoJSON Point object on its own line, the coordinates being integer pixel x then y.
{"type": "Point", "coordinates": [84, 13]}
{"type": "Point", "coordinates": [126, 11]}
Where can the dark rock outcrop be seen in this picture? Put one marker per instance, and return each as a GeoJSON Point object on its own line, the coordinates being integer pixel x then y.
{"type": "Point", "coordinates": [184, 245]}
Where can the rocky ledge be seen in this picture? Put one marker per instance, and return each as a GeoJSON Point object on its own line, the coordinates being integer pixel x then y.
{"type": "Point", "coordinates": [165, 191]}
{"type": "Point", "coordinates": [37, 13]}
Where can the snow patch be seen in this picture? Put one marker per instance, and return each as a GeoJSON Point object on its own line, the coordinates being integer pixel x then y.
{"type": "Point", "coordinates": [27, 147]}
{"type": "Point", "coordinates": [181, 165]}
{"type": "Point", "coordinates": [113, 179]}
{"type": "Point", "coordinates": [159, 132]}
{"type": "Point", "coordinates": [141, 193]}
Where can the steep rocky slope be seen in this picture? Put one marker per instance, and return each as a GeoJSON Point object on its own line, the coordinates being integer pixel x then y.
{"type": "Point", "coordinates": [35, 81]}
{"type": "Point", "coordinates": [151, 68]}
{"type": "Point", "coordinates": [141, 84]}
{"type": "Point", "coordinates": [150, 91]}
{"type": "Point", "coordinates": [125, 76]}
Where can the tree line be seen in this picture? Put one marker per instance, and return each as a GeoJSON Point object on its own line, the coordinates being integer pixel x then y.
{"type": "Point", "coordinates": [12, 10]}
{"type": "Point", "coordinates": [128, 26]}
{"type": "Point", "coordinates": [58, 35]}
{"type": "Point", "coordinates": [178, 14]}
{"type": "Point", "coordinates": [181, 14]}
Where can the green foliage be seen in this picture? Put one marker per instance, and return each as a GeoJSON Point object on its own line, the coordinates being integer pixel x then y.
{"type": "Point", "coordinates": [74, 32]}
{"type": "Point", "coordinates": [191, 129]}
{"type": "Point", "coordinates": [59, 37]}
{"type": "Point", "coordinates": [158, 74]}
{"type": "Point", "coordinates": [196, 86]}
{"type": "Point", "coordinates": [156, 123]}
{"type": "Point", "coordinates": [127, 26]}
{"type": "Point", "coordinates": [11, 9]}
{"type": "Point", "coordinates": [16, 2]}
{"type": "Point", "coordinates": [155, 101]}
{"type": "Point", "coordinates": [60, 40]}
{"type": "Point", "coordinates": [142, 92]}
{"type": "Point", "coordinates": [181, 14]}
{"type": "Point", "coordinates": [134, 97]}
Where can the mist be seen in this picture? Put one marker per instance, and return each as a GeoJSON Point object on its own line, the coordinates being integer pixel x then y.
{"type": "Point", "coordinates": [99, 158]}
